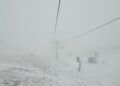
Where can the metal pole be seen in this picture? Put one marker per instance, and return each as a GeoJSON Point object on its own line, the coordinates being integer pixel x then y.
{"type": "Point", "coordinates": [56, 49]}
{"type": "Point", "coordinates": [55, 29]}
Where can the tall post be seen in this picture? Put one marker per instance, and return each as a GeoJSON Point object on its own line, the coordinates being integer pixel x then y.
{"type": "Point", "coordinates": [55, 30]}
{"type": "Point", "coordinates": [56, 49]}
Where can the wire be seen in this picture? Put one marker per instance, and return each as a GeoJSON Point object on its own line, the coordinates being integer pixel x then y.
{"type": "Point", "coordinates": [94, 29]}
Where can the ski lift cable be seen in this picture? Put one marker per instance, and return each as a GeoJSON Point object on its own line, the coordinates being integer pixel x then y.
{"type": "Point", "coordinates": [56, 22]}
{"type": "Point", "coordinates": [92, 30]}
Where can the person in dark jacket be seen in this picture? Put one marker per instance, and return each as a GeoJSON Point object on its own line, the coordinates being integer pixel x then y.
{"type": "Point", "coordinates": [79, 62]}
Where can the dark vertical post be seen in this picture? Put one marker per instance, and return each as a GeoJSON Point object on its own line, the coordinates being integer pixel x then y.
{"type": "Point", "coordinates": [56, 49]}
{"type": "Point", "coordinates": [55, 30]}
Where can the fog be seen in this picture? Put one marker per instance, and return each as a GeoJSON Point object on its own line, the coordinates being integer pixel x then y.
{"type": "Point", "coordinates": [83, 50]}
{"type": "Point", "coordinates": [26, 26]}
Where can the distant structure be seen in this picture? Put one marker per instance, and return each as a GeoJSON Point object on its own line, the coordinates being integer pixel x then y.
{"type": "Point", "coordinates": [93, 59]}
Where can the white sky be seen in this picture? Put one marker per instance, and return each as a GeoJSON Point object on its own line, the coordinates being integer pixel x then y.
{"type": "Point", "coordinates": [26, 26]}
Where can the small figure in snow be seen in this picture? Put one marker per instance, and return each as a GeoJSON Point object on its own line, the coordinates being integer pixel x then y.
{"type": "Point", "coordinates": [79, 62]}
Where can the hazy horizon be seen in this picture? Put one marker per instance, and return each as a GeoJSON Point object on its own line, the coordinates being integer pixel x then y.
{"type": "Point", "coordinates": [26, 26]}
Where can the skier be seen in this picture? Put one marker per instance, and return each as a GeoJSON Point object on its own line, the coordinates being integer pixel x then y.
{"type": "Point", "coordinates": [79, 62]}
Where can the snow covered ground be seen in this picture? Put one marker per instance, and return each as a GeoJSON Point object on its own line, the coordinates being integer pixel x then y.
{"type": "Point", "coordinates": [26, 71]}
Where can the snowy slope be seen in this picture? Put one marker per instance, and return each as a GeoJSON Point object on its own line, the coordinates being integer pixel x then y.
{"type": "Point", "coordinates": [16, 75]}
{"type": "Point", "coordinates": [60, 72]}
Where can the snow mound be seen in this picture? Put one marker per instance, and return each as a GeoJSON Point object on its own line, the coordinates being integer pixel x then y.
{"type": "Point", "coordinates": [20, 76]}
